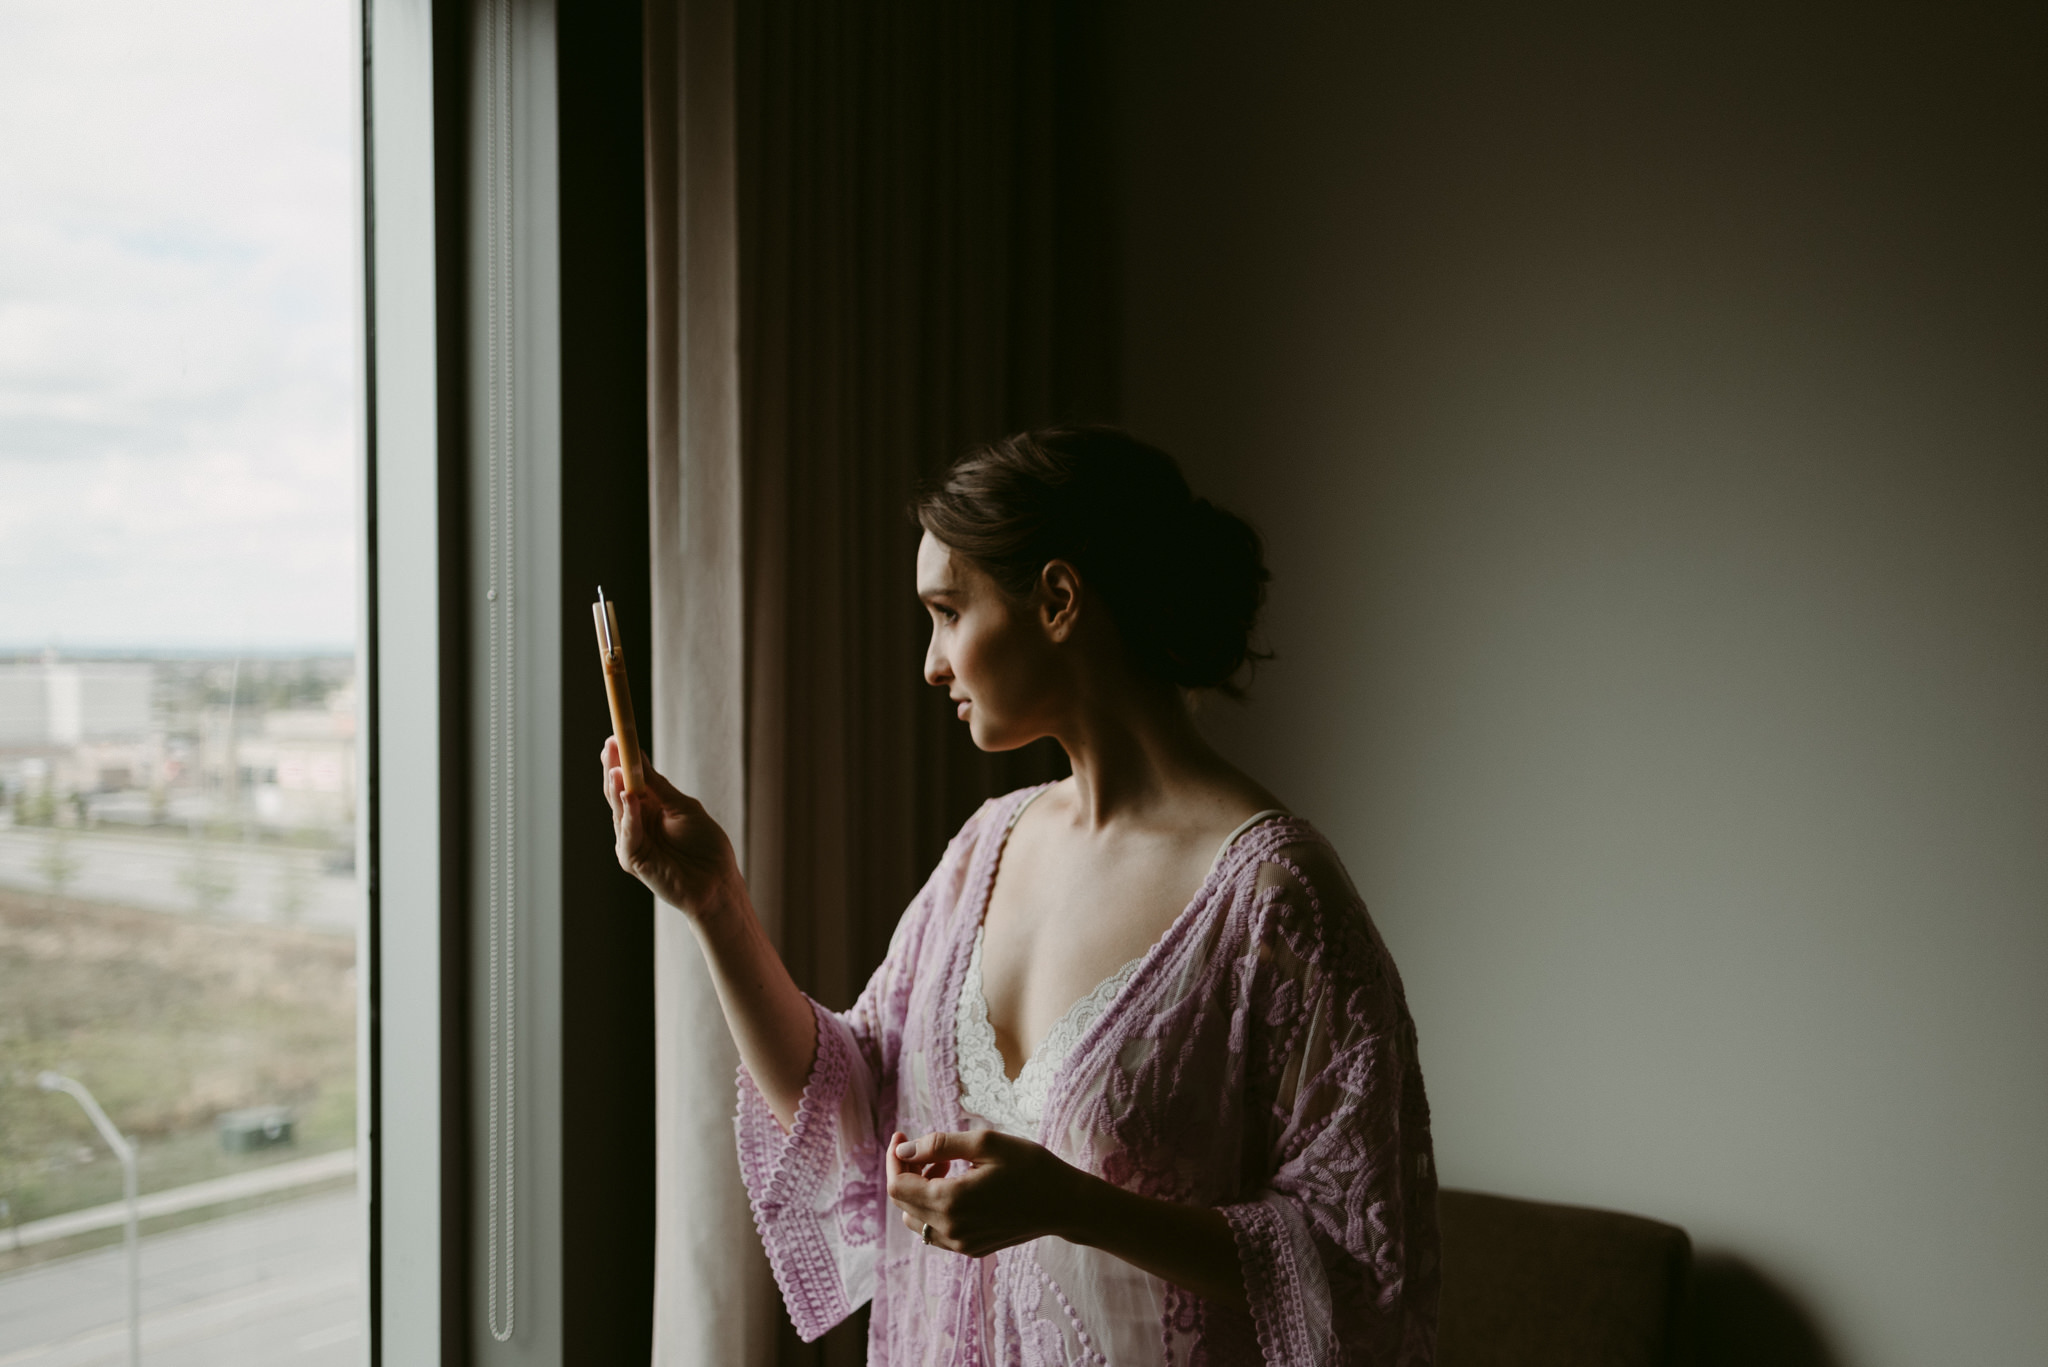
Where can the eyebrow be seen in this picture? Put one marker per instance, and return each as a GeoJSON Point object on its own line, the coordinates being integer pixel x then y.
{"type": "Point", "coordinates": [933, 595]}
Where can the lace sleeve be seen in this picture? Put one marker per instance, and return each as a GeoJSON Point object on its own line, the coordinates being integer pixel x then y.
{"type": "Point", "coordinates": [818, 1190]}
{"type": "Point", "coordinates": [1339, 1249]}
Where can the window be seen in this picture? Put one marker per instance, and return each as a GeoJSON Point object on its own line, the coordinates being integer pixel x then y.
{"type": "Point", "coordinates": [179, 702]}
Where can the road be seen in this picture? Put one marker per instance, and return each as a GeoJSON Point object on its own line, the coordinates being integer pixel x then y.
{"type": "Point", "coordinates": [323, 1168]}
{"type": "Point", "coordinates": [245, 882]}
{"type": "Point", "coordinates": [280, 1284]}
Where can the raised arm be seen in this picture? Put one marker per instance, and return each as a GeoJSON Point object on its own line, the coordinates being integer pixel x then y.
{"type": "Point", "coordinates": [666, 839]}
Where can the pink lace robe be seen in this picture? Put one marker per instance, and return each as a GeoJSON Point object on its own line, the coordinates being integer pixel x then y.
{"type": "Point", "coordinates": [1261, 1060]}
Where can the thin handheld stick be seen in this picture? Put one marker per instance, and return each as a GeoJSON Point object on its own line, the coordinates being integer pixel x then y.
{"type": "Point", "coordinates": [618, 691]}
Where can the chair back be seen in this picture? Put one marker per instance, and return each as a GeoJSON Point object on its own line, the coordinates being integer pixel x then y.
{"type": "Point", "coordinates": [1529, 1284]}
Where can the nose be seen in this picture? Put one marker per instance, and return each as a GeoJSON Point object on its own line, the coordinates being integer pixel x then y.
{"type": "Point", "coordinates": [937, 672]}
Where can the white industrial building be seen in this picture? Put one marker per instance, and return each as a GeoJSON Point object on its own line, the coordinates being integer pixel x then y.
{"type": "Point", "coordinates": [62, 703]}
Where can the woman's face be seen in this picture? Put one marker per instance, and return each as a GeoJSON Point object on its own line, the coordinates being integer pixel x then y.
{"type": "Point", "coordinates": [997, 659]}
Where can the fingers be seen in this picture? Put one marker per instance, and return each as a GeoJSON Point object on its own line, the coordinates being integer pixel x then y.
{"type": "Point", "coordinates": [918, 1170]}
{"type": "Point", "coordinates": [919, 1187]}
{"type": "Point", "coordinates": [944, 1147]}
{"type": "Point", "coordinates": [941, 1237]}
{"type": "Point", "coordinates": [614, 791]}
{"type": "Point", "coordinates": [892, 1167]}
{"type": "Point", "coordinates": [912, 1171]}
{"type": "Point", "coordinates": [670, 795]}
{"type": "Point", "coordinates": [631, 822]}
{"type": "Point", "coordinates": [667, 794]}
{"type": "Point", "coordinates": [921, 1208]}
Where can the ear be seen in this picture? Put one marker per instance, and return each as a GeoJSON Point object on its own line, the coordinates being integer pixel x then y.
{"type": "Point", "coordinates": [1059, 599]}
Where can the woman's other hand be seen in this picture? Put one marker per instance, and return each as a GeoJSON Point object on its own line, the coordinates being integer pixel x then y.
{"type": "Point", "coordinates": [666, 839]}
{"type": "Point", "coordinates": [1011, 1191]}
{"type": "Point", "coordinates": [1014, 1190]}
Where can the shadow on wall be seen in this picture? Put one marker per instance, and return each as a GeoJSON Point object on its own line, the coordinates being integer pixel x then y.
{"type": "Point", "coordinates": [1739, 1316]}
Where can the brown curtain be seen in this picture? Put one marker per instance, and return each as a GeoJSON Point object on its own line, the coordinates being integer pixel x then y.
{"type": "Point", "coordinates": [877, 233]}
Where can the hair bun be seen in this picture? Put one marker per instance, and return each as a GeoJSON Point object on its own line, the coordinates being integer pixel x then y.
{"type": "Point", "coordinates": [1183, 578]}
{"type": "Point", "coordinates": [1209, 602]}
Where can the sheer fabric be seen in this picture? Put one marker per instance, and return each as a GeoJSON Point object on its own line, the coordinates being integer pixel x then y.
{"type": "Point", "coordinates": [987, 1092]}
{"type": "Point", "coordinates": [1259, 1059]}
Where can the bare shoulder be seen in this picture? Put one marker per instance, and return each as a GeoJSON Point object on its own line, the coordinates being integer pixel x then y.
{"type": "Point", "coordinates": [1220, 805]}
{"type": "Point", "coordinates": [1035, 820]}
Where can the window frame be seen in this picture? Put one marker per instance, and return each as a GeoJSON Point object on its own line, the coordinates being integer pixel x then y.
{"type": "Point", "coordinates": [575, 285]}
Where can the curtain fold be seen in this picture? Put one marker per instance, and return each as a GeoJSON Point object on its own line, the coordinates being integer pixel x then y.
{"type": "Point", "coordinates": [876, 234]}
{"type": "Point", "coordinates": [713, 1300]}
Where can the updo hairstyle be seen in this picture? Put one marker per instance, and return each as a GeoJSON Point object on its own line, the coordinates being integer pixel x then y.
{"type": "Point", "coordinates": [1183, 579]}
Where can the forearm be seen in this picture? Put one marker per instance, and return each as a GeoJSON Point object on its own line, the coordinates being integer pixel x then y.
{"type": "Point", "coordinates": [1190, 1246]}
{"type": "Point", "coordinates": [771, 1019]}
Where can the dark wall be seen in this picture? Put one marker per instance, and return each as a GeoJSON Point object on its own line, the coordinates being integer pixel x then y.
{"type": "Point", "coordinates": [607, 1121]}
{"type": "Point", "coordinates": [1647, 410]}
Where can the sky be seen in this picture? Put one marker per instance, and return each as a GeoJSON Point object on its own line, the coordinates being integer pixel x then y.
{"type": "Point", "coordinates": [178, 330]}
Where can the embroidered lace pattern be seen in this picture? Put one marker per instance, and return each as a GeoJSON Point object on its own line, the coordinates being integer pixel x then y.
{"type": "Point", "coordinates": [987, 1092]}
{"type": "Point", "coordinates": [775, 1171]}
{"type": "Point", "coordinates": [986, 1088]}
{"type": "Point", "coordinates": [1259, 1060]}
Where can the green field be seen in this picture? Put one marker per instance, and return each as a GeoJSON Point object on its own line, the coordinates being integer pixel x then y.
{"type": "Point", "coordinates": [169, 1020]}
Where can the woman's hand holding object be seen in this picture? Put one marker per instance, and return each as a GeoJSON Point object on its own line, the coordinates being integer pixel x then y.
{"type": "Point", "coordinates": [1012, 1190]}
{"type": "Point", "coordinates": [1015, 1190]}
{"type": "Point", "coordinates": [666, 839]}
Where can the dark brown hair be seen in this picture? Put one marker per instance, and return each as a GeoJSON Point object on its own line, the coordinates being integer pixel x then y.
{"type": "Point", "coordinates": [1183, 579]}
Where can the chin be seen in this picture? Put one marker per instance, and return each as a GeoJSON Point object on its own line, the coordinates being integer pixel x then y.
{"type": "Point", "coordinates": [996, 740]}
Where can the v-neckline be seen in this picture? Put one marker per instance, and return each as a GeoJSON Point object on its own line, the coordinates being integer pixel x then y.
{"type": "Point", "coordinates": [1132, 967]}
{"type": "Point", "coordinates": [1126, 971]}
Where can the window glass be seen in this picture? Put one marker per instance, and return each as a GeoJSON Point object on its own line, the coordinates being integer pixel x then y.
{"type": "Point", "coordinates": [178, 717]}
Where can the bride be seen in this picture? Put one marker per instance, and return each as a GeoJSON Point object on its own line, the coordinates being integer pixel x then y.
{"type": "Point", "coordinates": [1136, 1081]}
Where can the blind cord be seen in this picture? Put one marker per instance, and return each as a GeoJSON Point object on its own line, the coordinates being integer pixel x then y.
{"type": "Point", "coordinates": [500, 873]}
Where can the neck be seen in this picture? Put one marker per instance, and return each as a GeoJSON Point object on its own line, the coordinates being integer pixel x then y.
{"type": "Point", "coordinates": [1132, 746]}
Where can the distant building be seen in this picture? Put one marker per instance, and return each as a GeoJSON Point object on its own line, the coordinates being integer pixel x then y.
{"type": "Point", "coordinates": [24, 706]}
{"type": "Point", "coordinates": [301, 770]}
{"type": "Point", "coordinates": [57, 703]}
{"type": "Point", "coordinates": [138, 743]}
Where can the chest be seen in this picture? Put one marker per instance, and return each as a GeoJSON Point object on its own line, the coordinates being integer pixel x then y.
{"type": "Point", "coordinates": [1064, 916]}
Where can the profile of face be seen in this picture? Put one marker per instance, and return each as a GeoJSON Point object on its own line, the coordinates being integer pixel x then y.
{"type": "Point", "coordinates": [1002, 661]}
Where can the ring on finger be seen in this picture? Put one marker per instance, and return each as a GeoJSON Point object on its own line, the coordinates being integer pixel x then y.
{"type": "Point", "coordinates": [927, 1235]}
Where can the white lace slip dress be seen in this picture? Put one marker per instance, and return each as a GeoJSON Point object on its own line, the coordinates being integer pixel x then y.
{"type": "Point", "coordinates": [987, 1092]}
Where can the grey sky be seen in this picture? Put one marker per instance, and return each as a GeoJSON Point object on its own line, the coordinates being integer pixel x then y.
{"type": "Point", "coordinates": [177, 324]}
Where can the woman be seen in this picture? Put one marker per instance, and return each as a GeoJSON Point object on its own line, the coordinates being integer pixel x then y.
{"type": "Point", "coordinates": [1136, 1082]}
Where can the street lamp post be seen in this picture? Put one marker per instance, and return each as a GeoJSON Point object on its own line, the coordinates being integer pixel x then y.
{"type": "Point", "coordinates": [125, 1151]}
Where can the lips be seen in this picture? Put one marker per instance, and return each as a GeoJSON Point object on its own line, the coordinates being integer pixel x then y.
{"type": "Point", "coordinates": [961, 710]}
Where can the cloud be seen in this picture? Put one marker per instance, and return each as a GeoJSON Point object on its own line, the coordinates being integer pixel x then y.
{"type": "Point", "coordinates": [178, 340]}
